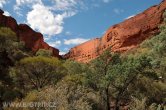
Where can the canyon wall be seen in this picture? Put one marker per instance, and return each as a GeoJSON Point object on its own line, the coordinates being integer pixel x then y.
{"type": "Point", "coordinates": [33, 40]}
{"type": "Point", "coordinates": [121, 37]}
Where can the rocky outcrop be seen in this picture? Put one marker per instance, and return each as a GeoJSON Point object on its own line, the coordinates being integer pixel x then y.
{"type": "Point", "coordinates": [121, 37]}
{"type": "Point", "coordinates": [33, 40]}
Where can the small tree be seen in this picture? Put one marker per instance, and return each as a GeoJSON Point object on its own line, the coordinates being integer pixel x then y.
{"type": "Point", "coordinates": [38, 72]}
{"type": "Point", "coordinates": [100, 69]}
{"type": "Point", "coordinates": [113, 75]}
{"type": "Point", "coordinates": [123, 74]}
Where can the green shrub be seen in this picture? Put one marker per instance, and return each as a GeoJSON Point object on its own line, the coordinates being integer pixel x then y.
{"type": "Point", "coordinates": [38, 72]}
{"type": "Point", "coordinates": [43, 52]}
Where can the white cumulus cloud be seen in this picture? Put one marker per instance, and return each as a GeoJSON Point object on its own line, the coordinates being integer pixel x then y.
{"type": "Point", "coordinates": [62, 53]}
{"type": "Point", "coordinates": [6, 13]}
{"type": "Point", "coordinates": [55, 44]}
{"type": "Point", "coordinates": [44, 20]}
{"type": "Point", "coordinates": [2, 2]}
{"type": "Point", "coordinates": [75, 41]}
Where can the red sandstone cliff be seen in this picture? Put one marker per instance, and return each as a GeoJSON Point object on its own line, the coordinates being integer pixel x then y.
{"type": "Point", "coordinates": [33, 40]}
{"type": "Point", "coordinates": [121, 37]}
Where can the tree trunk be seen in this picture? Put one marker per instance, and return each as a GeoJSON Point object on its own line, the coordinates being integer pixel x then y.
{"type": "Point", "coordinates": [117, 100]}
{"type": "Point", "coordinates": [117, 104]}
{"type": "Point", "coordinates": [107, 99]}
{"type": "Point", "coordinates": [121, 92]}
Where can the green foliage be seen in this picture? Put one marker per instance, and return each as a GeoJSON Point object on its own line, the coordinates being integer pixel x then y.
{"type": "Point", "coordinates": [77, 73]}
{"type": "Point", "coordinates": [44, 53]}
{"type": "Point", "coordinates": [38, 72]}
{"type": "Point", "coordinates": [8, 50]}
{"type": "Point", "coordinates": [31, 96]}
{"type": "Point", "coordinates": [9, 43]}
{"type": "Point", "coordinates": [7, 33]}
{"type": "Point", "coordinates": [138, 104]}
{"type": "Point", "coordinates": [50, 61]}
{"type": "Point", "coordinates": [18, 55]}
{"type": "Point", "coordinates": [147, 87]}
{"type": "Point", "coordinates": [151, 82]}
{"type": "Point", "coordinates": [101, 66]}
{"type": "Point", "coordinates": [141, 104]}
{"type": "Point", "coordinates": [7, 37]}
{"type": "Point", "coordinates": [77, 79]}
{"type": "Point", "coordinates": [65, 96]}
{"type": "Point", "coordinates": [74, 67]}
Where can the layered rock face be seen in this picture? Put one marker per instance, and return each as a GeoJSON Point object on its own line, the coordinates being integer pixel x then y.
{"type": "Point", "coordinates": [33, 40]}
{"type": "Point", "coordinates": [121, 37]}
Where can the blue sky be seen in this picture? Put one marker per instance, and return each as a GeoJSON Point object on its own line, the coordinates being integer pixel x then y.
{"type": "Point", "coordinates": [67, 23]}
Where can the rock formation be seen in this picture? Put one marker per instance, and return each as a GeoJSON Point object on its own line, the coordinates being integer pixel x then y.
{"type": "Point", "coordinates": [121, 37]}
{"type": "Point", "coordinates": [33, 40]}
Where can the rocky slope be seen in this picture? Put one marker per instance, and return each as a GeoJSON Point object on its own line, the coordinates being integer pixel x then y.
{"type": "Point", "coordinates": [33, 40]}
{"type": "Point", "coordinates": [121, 37]}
